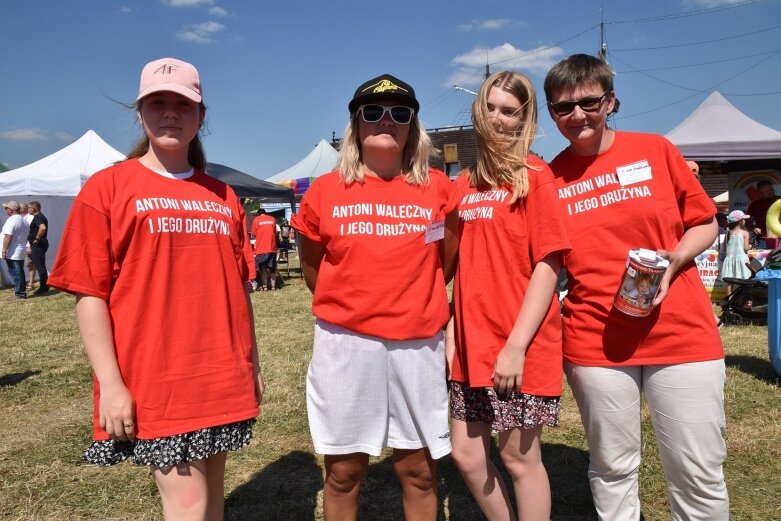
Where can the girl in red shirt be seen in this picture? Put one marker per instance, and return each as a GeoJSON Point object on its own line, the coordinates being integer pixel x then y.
{"type": "Point", "coordinates": [506, 363]}
{"type": "Point", "coordinates": [177, 383]}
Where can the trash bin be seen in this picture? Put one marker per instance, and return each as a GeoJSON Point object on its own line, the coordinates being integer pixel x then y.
{"type": "Point", "coordinates": [773, 278]}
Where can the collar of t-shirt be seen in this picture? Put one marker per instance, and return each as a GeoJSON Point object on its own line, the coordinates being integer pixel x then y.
{"type": "Point", "coordinates": [180, 175]}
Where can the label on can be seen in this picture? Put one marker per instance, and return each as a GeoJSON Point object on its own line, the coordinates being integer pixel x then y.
{"type": "Point", "coordinates": [640, 284]}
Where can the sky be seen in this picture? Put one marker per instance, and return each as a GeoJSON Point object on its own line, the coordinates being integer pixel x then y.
{"type": "Point", "coordinates": [277, 76]}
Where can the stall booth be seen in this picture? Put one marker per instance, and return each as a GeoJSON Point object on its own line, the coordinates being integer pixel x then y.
{"type": "Point", "coordinates": [748, 151]}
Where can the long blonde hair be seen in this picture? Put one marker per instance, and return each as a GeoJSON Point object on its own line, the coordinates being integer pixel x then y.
{"type": "Point", "coordinates": [414, 161]}
{"type": "Point", "coordinates": [502, 158]}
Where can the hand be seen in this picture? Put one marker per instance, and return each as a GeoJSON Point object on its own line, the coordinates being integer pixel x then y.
{"type": "Point", "coordinates": [508, 371]}
{"type": "Point", "coordinates": [260, 387]}
{"type": "Point", "coordinates": [672, 269]}
{"type": "Point", "coordinates": [117, 412]}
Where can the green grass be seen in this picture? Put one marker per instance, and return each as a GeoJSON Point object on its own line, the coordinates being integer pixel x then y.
{"type": "Point", "coordinates": [45, 414]}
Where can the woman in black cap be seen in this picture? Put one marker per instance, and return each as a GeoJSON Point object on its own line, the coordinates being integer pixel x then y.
{"type": "Point", "coordinates": [375, 254]}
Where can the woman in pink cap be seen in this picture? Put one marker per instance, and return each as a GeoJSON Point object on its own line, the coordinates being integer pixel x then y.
{"type": "Point", "coordinates": [736, 261]}
{"type": "Point", "coordinates": [148, 242]}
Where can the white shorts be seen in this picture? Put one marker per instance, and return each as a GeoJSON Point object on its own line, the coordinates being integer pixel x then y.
{"type": "Point", "coordinates": [364, 393]}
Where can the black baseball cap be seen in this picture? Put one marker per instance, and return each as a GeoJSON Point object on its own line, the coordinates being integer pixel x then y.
{"type": "Point", "coordinates": [384, 87]}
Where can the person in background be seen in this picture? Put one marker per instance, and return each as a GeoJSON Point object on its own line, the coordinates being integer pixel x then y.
{"type": "Point", "coordinates": [506, 370]}
{"type": "Point", "coordinates": [736, 262]}
{"type": "Point", "coordinates": [14, 238]}
{"type": "Point", "coordinates": [161, 303]}
{"type": "Point", "coordinates": [39, 245]}
{"type": "Point", "coordinates": [376, 250]}
{"type": "Point", "coordinates": [695, 168]}
{"type": "Point", "coordinates": [759, 207]}
{"type": "Point", "coordinates": [621, 191]}
{"type": "Point", "coordinates": [264, 229]}
{"type": "Point", "coordinates": [24, 210]}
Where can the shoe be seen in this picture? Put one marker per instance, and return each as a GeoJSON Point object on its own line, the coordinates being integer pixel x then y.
{"type": "Point", "coordinates": [41, 290]}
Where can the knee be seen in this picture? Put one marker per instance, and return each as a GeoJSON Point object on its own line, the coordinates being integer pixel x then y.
{"type": "Point", "coordinates": [468, 461]}
{"type": "Point", "coordinates": [519, 465]}
{"type": "Point", "coordinates": [420, 474]}
{"type": "Point", "coordinates": [344, 477]}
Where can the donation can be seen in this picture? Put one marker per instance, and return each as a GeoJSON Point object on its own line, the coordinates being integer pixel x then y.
{"type": "Point", "coordinates": [640, 284]}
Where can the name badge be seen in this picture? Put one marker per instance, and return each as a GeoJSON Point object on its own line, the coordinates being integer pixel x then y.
{"type": "Point", "coordinates": [435, 231]}
{"type": "Point", "coordinates": [634, 173]}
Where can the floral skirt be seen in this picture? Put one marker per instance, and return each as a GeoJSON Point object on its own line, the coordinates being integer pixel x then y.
{"type": "Point", "coordinates": [483, 405]}
{"type": "Point", "coordinates": [173, 450]}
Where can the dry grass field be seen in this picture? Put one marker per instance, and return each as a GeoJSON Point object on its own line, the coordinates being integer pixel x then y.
{"type": "Point", "coordinates": [45, 409]}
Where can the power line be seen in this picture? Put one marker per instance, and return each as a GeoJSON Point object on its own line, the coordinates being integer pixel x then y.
{"type": "Point", "coordinates": [698, 64]}
{"type": "Point", "coordinates": [685, 14]}
{"type": "Point", "coordinates": [696, 43]}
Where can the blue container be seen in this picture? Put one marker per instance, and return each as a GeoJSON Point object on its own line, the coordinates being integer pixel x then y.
{"type": "Point", "coordinates": [773, 278]}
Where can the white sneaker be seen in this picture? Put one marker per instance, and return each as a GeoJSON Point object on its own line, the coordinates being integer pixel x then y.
{"type": "Point", "coordinates": [254, 285]}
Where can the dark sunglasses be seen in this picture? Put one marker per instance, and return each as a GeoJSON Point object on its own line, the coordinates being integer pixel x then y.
{"type": "Point", "coordinates": [590, 104]}
{"type": "Point", "coordinates": [399, 114]}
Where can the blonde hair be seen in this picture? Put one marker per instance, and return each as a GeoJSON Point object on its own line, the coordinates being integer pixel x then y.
{"type": "Point", "coordinates": [414, 161]}
{"type": "Point", "coordinates": [502, 158]}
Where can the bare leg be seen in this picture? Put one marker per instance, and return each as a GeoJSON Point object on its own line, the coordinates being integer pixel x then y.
{"type": "Point", "coordinates": [343, 477]}
{"type": "Point", "coordinates": [471, 454]}
{"type": "Point", "coordinates": [521, 454]}
{"type": "Point", "coordinates": [192, 491]}
{"type": "Point", "coordinates": [417, 472]}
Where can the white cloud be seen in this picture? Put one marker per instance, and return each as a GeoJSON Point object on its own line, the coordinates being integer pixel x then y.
{"type": "Point", "coordinates": [125, 9]}
{"type": "Point", "coordinates": [187, 3]}
{"type": "Point", "coordinates": [490, 25]}
{"type": "Point", "coordinates": [484, 25]}
{"type": "Point", "coordinates": [24, 134]}
{"type": "Point", "coordinates": [471, 65]}
{"type": "Point", "coordinates": [199, 33]}
{"type": "Point", "coordinates": [218, 11]}
{"type": "Point", "coordinates": [63, 136]}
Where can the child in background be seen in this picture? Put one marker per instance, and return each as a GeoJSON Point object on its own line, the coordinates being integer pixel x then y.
{"type": "Point", "coordinates": [735, 260]}
{"type": "Point", "coordinates": [161, 303]}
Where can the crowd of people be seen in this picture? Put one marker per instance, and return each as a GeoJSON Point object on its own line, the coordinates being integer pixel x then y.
{"type": "Point", "coordinates": [394, 363]}
{"type": "Point", "coordinates": [25, 243]}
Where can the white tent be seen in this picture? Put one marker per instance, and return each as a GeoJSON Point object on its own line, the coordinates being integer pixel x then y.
{"type": "Point", "coordinates": [319, 161]}
{"type": "Point", "coordinates": [716, 130]}
{"type": "Point", "coordinates": [55, 180]}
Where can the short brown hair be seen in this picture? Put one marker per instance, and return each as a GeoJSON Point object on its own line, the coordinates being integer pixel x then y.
{"type": "Point", "coordinates": [578, 69]}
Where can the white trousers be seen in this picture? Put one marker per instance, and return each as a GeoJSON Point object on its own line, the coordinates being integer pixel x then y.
{"type": "Point", "coordinates": [686, 402]}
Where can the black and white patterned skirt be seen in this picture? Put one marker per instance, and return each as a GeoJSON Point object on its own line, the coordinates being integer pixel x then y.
{"type": "Point", "coordinates": [173, 450]}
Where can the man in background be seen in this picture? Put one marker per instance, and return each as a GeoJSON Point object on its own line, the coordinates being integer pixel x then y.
{"type": "Point", "coordinates": [759, 207]}
{"type": "Point", "coordinates": [39, 244]}
{"type": "Point", "coordinates": [695, 168]}
{"type": "Point", "coordinates": [264, 229]}
{"type": "Point", "coordinates": [28, 261]}
{"type": "Point", "coordinates": [14, 236]}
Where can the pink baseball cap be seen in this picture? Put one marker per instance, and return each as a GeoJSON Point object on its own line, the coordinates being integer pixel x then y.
{"type": "Point", "coordinates": [172, 75]}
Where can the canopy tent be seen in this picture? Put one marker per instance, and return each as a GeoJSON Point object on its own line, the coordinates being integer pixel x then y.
{"type": "Point", "coordinates": [246, 185]}
{"type": "Point", "coordinates": [718, 131]}
{"type": "Point", "coordinates": [319, 161]}
{"type": "Point", "coordinates": [55, 180]}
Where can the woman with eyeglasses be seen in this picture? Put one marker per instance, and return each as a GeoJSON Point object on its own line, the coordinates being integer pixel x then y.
{"type": "Point", "coordinates": [622, 191]}
{"type": "Point", "coordinates": [506, 373]}
{"type": "Point", "coordinates": [377, 246]}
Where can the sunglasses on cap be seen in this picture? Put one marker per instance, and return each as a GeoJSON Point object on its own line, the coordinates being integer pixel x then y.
{"type": "Point", "coordinates": [399, 114]}
{"type": "Point", "coordinates": [590, 104]}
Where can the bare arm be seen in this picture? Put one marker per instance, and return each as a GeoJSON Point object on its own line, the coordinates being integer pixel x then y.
{"type": "Point", "coordinates": [694, 241]}
{"type": "Point", "coordinates": [508, 372]}
{"type": "Point", "coordinates": [312, 254]}
{"type": "Point", "coordinates": [116, 407]}
{"type": "Point", "coordinates": [448, 247]}
{"type": "Point", "coordinates": [6, 243]}
{"type": "Point", "coordinates": [450, 344]}
{"type": "Point", "coordinates": [746, 243]}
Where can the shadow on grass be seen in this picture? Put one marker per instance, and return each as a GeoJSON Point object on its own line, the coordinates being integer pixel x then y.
{"type": "Point", "coordinates": [285, 489]}
{"type": "Point", "coordinates": [288, 489]}
{"type": "Point", "coordinates": [16, 378]}
{"type": "Point", "coordinates": [759, 368]}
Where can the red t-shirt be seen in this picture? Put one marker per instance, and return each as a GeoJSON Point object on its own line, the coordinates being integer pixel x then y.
{"type": "Point", "coordinates": [378, 276]}
{"type": "Point", "coordinates": [499, 246]}
{"type": "Point", "coordinates": [168, 257]}
{"type": "Point", "coordinates": [264, 228]}
{"type": "Point", "coordinates": [637, 194]}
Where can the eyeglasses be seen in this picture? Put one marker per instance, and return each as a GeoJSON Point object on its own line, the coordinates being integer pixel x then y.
{"type": "Point", "coordinates": [590, 104]}
{"type": "Point", "coordinates": [399, 114]}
